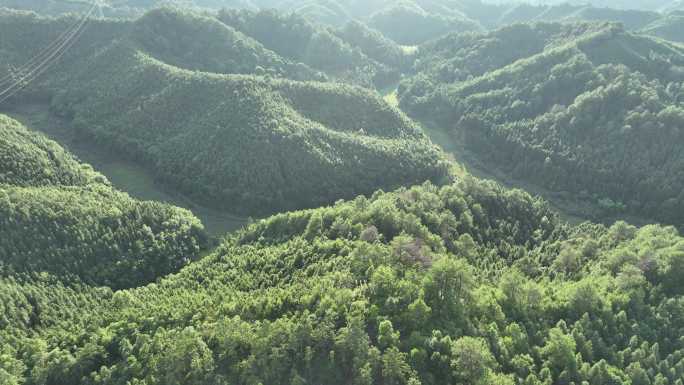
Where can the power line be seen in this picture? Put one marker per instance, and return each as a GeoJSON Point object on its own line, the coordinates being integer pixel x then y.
{"type": "Point", "coordinates": [40, 56]}
{"type": "Point", "coordinates": [25, 80]}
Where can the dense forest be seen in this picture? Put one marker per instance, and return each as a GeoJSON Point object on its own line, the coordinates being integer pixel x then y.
{"type": "Point", "coordinates": [376, 258]}
{"type": "Point", "coordinates": [596, 113]}
{"type": "Point", "coordinates": [465, 284]}
{"type": "Point", "coordinates": [670, 27]}
{"type": "Point", "coordinates": [251, 144]}
{"type": "Point", "coordinates": [406, 22]}
{"type": "Point", "coordinates": [59, 216]}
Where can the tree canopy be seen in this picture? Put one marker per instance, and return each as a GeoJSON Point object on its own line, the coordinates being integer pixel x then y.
{"type": "Point", "coordinates": [593, 112]}
{"type": "Point", "coordinates": [59, 216]}
{"type": "Point", "coordinates": [465, 284]}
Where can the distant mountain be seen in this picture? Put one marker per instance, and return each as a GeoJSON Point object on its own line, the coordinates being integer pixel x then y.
{"type": "Point", "coordinates": [670, 27]}
{"type": "Point", "coordinates": [411, 25]}
{"type": "Point", "coordinates": [650, 5]}
{"type": "Point", "coordinates": [373, 44]}
{"type": "Point", "coordinates": [299, 40]}
{"type": "Point", "coordinates": [203, 43]}
{"type": "Point", "coordinates": [630, 18]}
{"type": "Point", "coordinates": [408, 22]}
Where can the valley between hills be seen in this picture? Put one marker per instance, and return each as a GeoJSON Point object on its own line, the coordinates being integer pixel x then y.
{"type": "Point", "coordinates": [341, 192]}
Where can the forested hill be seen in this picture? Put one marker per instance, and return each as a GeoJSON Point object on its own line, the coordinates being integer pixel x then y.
{"type": "Point", "coordinates": [298, 39]}
{"type": "Point", "coordinates": [465, 284]}
{"type": "Point", "coordinates": [378, 260]}
{"type": "Point", "coordinates": [250, 144]}
{"type": "Point", "coordinates": [407, 22]}
{"type": "Point", "coordinates": [240, 42]}
{"type": "Point", "coordinates": [60, 216]}
{"type": "Point", "coordinates": [598, 117]}
{"type": "Point", "coordinates": [374, 44]}
{"type": "Point", "coordinates": [459, 57]}
{"type": "Point", "coordinates": [31, 160]}
{"type": "Point", "coordinates": [197, 42]}
{"type": "Point", "coordinates": [670, 27]}
{"type": "Point", "coordinates": [632, 19]}
{"type": "Point", "coordinates": [181, 38]}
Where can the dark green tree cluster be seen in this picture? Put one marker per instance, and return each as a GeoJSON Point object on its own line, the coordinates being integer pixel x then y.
{"type": "Point", "coordinates": [632, 19]}
{"type": "Point", "coordinates": [30, 159]}
{"type": "Point", "coordinates": [300, 40]}
{"type": "Point", "coordinates": [374, 44]}
{"type": "Point", "coordinates": [199, 42]}
{"type": "Point", "coordinates": [59, 216]}
{"type": "Point", "coordinates": [465, 284]}
{"type": "Point", "coordinates": [248, 144]}
{"type": "Point", "coordinates": [95, 233]}
{"type": "Point", "coordinates": [251, 144]}
{"type": "Point", "coordinates": [410, 24]}
{"type": "Point", "coordinates": [670, 27]}
{"type": "Point", "coordinates": [599, 116]}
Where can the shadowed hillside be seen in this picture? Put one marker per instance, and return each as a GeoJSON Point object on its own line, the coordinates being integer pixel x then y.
{"type": "Point", "coordinates": [598, 116]}
{"type": "Point", "coordinates": [249, 144]}
{"type": "Point", "coordinates": [62, 217]}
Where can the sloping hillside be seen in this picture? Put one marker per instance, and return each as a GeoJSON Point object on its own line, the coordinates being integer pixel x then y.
{"type": "Point", "coordinates": [632, 19]}
{"type": "Point", "coordinates": [62, 217]}
{"type": "Point", "coordinates": [467, 284]}
{"type": "Point", "coordinates": [457, 57]}
{"type": "Point", "coordinates": [373, 44]}
{"type": "Point", "coordinates": [298, 39]}
{"type": "Point", "coordinates": [252, 145]}
{"type": "Point", "coordinates": [184, 39]}
{"type": "Point", "coordinates": [670, 27]}
{"type": "Point", "coordinates": [411, 24]}
{"type": "Point", "coordinates": [28, 159]}
{"type": "Point", "coordinates": [398, 270]}
{"type": "Point", "coordinates": [203, 43]}
{"type": "Point", "coordinates": [598, 117]}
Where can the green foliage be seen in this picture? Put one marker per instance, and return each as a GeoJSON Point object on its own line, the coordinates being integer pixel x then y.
{"type": "Point", "coordinates": [60, 216]}
{"type": "Point", "coordinates": [669, 27]}
{"type": "Point", "coordinates": [297, 39]}
{"type": "Point", "coordinates": [94, 233]}
{"type": "Point", "coordinates": [198, 42]}
{"type": "Point", "coordinates": [293, 299]}
{"type": "Point", "coordinates": [252, 145]}
{"type": "Point", "coordinates": [248, 144]}
{"type": "Point", "coordinates": [464, 283]}
{"type": "Point", "coordinates": [596, 115]}
{"type": "Point", "coordinates": [411, 25]}
{"type": "Point", "coordinates": [373, 43]}
{"type": "Point", "coordinates": [632, 18]}
{"type": "Point", "coordinates": [30, 159]}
